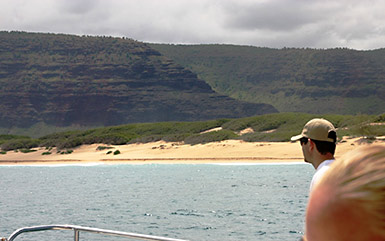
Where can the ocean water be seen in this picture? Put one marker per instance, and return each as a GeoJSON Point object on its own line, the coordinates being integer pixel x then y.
{"type": "Point", "coordinates": [194, 202]}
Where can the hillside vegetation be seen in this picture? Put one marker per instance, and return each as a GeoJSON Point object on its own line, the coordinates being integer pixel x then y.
{"type": "Point", "coordinates": [55, 82]}
{"type": "Point", "coordinates": [59, 80]}
{"type": "Point", "coordinates": [339, 81]}
{"type": "Point", "coordinates": [270, 127]}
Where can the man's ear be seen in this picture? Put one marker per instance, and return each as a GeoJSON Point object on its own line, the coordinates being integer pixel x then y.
{"type": "Point", "coordinates": [311, 144]}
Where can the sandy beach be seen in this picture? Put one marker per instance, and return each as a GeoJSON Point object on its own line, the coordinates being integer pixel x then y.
{"type": "Point", "coordinates": [230, 151]}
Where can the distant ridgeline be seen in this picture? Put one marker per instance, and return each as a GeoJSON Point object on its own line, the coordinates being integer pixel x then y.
{"type": "Point", "coordinates": [65, 80]}
{"type": "Point", "coordinates": [339, 81]}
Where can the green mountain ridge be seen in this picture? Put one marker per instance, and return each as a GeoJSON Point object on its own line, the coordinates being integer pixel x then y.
{"type": "Point", "coordinates": [55, 82]}
{"type": "Point", "coordinates": [58, 80]}
{"type": "Point", "coordinates": [339, 81]}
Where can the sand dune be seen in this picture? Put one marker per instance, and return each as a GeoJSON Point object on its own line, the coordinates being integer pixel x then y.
{"type": "Point", "coordinates": [232, 151]}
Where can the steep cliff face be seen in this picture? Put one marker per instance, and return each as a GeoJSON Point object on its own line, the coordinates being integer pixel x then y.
{"type": "Point", "coordinates": [318, 81]}
{"type": "Point", "coordinates": [64, 80]}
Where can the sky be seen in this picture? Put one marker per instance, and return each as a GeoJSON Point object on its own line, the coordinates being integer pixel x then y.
{"type": "Point", "coordinates": [354, 24]}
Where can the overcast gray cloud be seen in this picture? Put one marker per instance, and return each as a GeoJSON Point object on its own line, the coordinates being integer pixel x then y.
{"type": "Point", "coordinates": [273, 15]}
{"type": "Point", "coordinates": [269, 23]}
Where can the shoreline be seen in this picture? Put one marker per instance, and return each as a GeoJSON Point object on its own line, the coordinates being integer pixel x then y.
{"type": "Point", "coordinates": [224, 152]}
{"type": "Point", "coordinates": [261, 160]}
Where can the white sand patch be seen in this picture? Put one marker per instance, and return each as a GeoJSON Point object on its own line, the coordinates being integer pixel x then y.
{"type": "Point", "coordinates": [246, 131]}
{"type": "Point", "coordinates": [211, 130]}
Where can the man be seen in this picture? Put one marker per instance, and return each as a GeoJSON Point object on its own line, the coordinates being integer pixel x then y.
{"type": "Point", "coordinates": [318, 141]}
{"type": "Point", "coordinates": [348, 203]}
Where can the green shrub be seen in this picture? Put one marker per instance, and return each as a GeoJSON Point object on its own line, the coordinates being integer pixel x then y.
{"type": "Point", "coordinates": [147, 139]}
{"type": "Point", "coordinates": [27, 150]}
{"type": "Point", "coordinates": [48, 143]}
{"type": "Point", "coordinates": [284, 125]}
{"type": "Point", "coordinates": [46, 153]}
{"type": "Point", "coordinates": [110, 138]}
{"type": "Point", "coordinates": [274, 136]}
{"type": "Point", "coordinates": [117, 152]}
{"type": "Point", "coordinates": [12, 137]}
{"type": "Point", "coordinates": [69, 143]}
{"type": "Point", "coordinates": [130, 133]}
{"type": "Point", "coordinates": [270, 121]}
{"type": "Point", "coordinates": [66, 152]}
{"type": "Point", "coordinates": [379, 118]}
{"type": "Point", "coordinates": [102, 148]}
{"type": "Point", "coordinates": [19, 144]}
{"type": "Point", "coordinates": [210, 137]}
{"type": "Point", "coordinates": [176, 137]}
{"type": "Point", "coordinates": [3, 152]}
{"type": "Point", "coordinates": [368, 130]}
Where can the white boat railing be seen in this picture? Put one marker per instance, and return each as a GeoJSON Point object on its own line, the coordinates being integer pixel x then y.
{"type": "Point", "coordinates": [78, 229]}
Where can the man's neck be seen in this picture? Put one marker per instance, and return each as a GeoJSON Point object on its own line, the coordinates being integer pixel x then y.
{"type": "Point", "coordinates": [322, 158]}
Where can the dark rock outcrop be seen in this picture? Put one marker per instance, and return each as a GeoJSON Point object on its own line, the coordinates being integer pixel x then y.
{"type": "Point", "coordinates": [64, 80]}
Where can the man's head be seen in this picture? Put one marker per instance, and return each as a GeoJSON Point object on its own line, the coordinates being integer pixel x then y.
{"type": "Point", "coordinates": [318, 140]}
{"type": "Point", "coordinates": [318, 129]}
{"type": "Point", "coordinates": [348, 203]}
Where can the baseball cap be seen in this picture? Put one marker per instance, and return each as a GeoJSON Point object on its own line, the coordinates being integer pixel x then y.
{"type": "Point", "coordinates": [318, 129]}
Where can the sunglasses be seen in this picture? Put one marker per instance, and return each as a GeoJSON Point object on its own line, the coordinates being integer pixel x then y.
{"type": "Point", "coordinates": [303, 140]}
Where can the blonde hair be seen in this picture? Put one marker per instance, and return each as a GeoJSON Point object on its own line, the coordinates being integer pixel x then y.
{"type": "Point", "coordinates": [359, 176]}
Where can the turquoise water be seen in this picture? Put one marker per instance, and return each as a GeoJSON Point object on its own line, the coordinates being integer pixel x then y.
{"type": "Point", "coordinates": [195, 202]}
